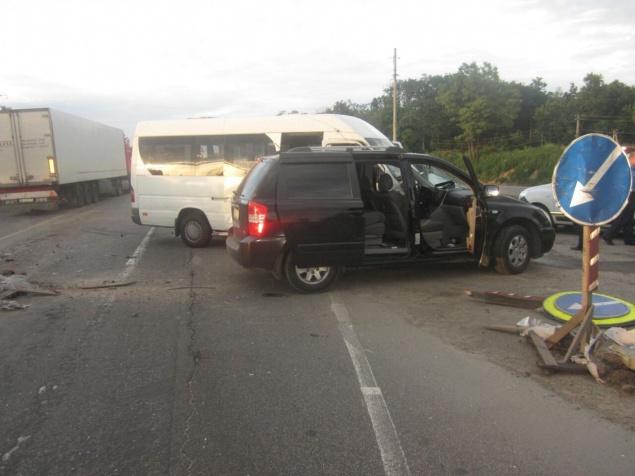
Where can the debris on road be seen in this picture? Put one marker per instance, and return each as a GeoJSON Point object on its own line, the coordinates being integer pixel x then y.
{"type": "Point", "coordinates": [542, 329]}
{"type": "Point", "coordinates": [17, 284]}
{"type": "Point", "coordinates": [508, 299]}
{"type": "Point", "coordinates": [5, 257]}
{"type": "Point", "coordinates": [112, 284]}
{"type": "Point", "coordinates": [191, 287]}
{"type": "Point", "coordinates": [609, 357]}
{"type": "Point", "coordinates": [11, 305]}
{"type": "Point", "coordinates": [611, 361]}
{"type": "Point", "coordinates": [616, 345]}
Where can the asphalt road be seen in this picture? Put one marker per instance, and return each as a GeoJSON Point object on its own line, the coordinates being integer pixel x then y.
{"type": "Point", "coordinates": [200, 367]}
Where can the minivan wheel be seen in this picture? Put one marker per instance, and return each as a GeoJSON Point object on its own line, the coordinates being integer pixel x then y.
{"type": "Point", "coordinates": [195, 230]}
{"type": "Point", "coordinates": [511, 250]}
{"type": "Point", "coordinates": [311, 279]}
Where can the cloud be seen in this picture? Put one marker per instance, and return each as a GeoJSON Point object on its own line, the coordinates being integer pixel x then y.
{"type": "Point", "coordinates": [122, 62]}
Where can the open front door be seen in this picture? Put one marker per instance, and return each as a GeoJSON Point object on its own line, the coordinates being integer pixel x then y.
{"type": "Point", "coordinates": [471, 220]}
{"type": "Point", "coordinates": [477, 218]}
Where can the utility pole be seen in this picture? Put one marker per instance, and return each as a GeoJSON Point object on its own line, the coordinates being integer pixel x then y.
{"type": "Point", "coordinates": [394, 97]}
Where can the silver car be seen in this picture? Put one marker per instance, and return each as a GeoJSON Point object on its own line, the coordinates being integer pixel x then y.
{"type": "Point", "coordinates": [542, 197]}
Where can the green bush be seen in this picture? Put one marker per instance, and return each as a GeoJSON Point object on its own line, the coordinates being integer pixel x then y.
{"type": "Point", "coordinates": [528, 166]}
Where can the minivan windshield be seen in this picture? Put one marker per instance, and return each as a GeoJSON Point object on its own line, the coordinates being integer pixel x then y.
{"type": "Point", "coordinates": [436, 175]}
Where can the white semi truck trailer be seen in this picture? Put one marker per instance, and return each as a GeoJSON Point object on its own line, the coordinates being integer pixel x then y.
{"type": "Point", "coordinates": [49, 158]}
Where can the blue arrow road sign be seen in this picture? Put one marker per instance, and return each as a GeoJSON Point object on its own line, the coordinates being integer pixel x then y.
{"type": "Point", "coordinates": [592, 180]}
{"type": "Point", "coordinates": [604, 307]}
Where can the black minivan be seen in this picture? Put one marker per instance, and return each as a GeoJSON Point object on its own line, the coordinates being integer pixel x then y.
{"type": "Point", "coordinates": [308, 213]}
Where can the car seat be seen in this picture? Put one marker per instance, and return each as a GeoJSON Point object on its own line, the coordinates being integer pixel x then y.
{"type": "Point", "coordinates": [392, 205]}
{"type": "Point", "coordinates": [374, 220]}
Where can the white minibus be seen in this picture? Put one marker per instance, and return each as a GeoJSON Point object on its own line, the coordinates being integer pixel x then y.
{"type": "Point", "coordinates": [184, 172]}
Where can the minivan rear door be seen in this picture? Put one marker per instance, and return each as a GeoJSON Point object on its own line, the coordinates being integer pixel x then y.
{"type": "Point", "coordinates": [320, 209]}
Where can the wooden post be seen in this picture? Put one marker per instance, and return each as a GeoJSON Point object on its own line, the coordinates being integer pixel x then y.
{"type": "Point", "coordinates": [590, 283]}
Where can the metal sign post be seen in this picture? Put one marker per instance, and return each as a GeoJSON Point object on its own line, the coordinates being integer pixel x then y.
{"type": "Point", "coordinates": [591, 183]}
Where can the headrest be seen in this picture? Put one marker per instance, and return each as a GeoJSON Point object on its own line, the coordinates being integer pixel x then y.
{"type": "Point", "coordinates": [385, 183]}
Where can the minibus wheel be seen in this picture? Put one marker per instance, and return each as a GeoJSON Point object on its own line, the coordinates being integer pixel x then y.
{"type": "Point", "coordinates": [195, 230]}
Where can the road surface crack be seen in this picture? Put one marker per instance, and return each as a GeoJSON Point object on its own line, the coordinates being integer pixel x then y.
{"type": "Point", "coordinates": [195, 355]}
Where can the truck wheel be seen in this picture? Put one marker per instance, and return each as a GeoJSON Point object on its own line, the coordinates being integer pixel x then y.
{"type": "Point", "coordinates": [88, 193]}
{"type": "Point", "coordinates": [66, 197]}
{"type": "Point", "coordinates": [309, 280]}
{"type": "Point", "coordinates": [117, 186]}
{"type": "Point", "coordinates": [511, 250]}
{"type": "Point", "coordinates": [195, 230]}
{"type": "Point", "coordinates": [94, 186]}
{"type": "Point", "coordinates": [80, 195]}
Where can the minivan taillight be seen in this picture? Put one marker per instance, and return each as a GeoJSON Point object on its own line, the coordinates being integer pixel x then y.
{"type": "Point", "coordinates": [257, 216]}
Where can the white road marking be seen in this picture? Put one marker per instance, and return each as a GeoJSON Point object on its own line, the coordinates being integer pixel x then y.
{"type": "Point", "coordinates": [132, 262]}
{"type": "Point", "coordinates": [392, 454]}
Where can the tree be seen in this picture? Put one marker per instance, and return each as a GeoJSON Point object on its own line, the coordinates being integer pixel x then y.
{"type": "Point", "coordinates": [347, 108]}
{"type": "Point", "coordinates": [483, 106]}
{"type": "Point", "coordinates": [474, 110]}
{"type": "Point", "coordinates": [421, 114]}
{"type": "Point", "coordinates": [606, 108]}
{"type": "Point", "coordinates": [555, 119]}
{"type": "Point", "coordinates": [531, 98]}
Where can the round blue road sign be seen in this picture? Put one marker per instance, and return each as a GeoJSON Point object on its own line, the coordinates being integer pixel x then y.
{"type": "Point", "coordinates": [608, 311]}
{"type": "Point", "coordinates": [592, 180]}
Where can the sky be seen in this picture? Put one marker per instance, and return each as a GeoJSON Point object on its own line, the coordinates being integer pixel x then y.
{"type": "Point", "coordinates": [123, 61]}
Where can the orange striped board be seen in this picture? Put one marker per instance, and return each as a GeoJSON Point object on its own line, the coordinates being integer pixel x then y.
{"type": "Point", "coordinates": [502, 298]}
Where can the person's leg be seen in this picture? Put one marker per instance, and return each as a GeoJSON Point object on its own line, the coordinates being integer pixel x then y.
{"type": "Point", "coordinates": [612, 231]}
{"type": "Point", "coordinates": [578, 229]}
{"type": "Point", "coordinates": [629, 221]}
